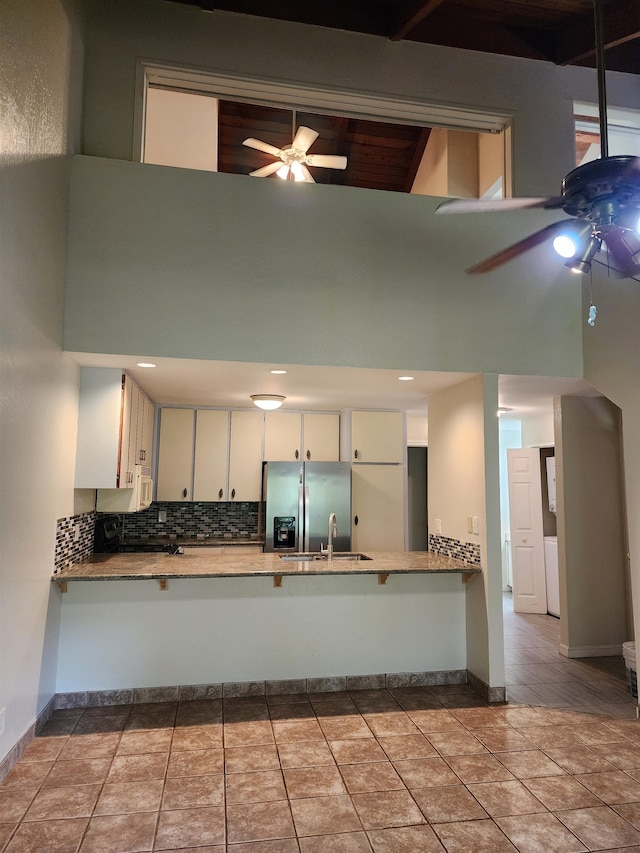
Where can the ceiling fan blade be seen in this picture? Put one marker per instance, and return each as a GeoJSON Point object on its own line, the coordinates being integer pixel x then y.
{"type": "Point", "coordinates": [518, 248]}
{"type": "Point", "coordinates": [262, 146]}
{"type": "Point", "coordinates": [327, 161]}
{"type": "Point", "coordinates": [308, 177]}
{"type": "Point", "coordinates": [480, 205]}
{"type": "Point", "coordinates": [304, 139]}
{"type": "Point", "coordinates": [269, 169]}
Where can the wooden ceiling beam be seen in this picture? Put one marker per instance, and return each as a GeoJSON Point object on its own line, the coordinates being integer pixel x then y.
{"type": "Point", "coordinates": [577, 42]}
{"type": "Point", "coordinates": [418, 154]}
{"type": "Point", "coordinates": [410, 20]}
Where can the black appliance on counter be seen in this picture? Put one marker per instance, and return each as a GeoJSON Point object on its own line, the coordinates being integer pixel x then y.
{"type": "Point", "coordinates": [108, 539]}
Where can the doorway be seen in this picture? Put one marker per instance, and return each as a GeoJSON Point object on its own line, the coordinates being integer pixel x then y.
{"type": "Point", "coordinates": [417, 498]}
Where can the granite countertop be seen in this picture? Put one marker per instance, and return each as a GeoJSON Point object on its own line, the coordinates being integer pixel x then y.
{"type": "Point", "coordinates": [207, 565]}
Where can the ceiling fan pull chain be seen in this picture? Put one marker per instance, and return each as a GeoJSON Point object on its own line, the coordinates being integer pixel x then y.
{"type": "Point", "coordinates": [591, 319]}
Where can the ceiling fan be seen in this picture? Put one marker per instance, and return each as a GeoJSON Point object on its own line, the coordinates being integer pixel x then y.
{"type": "Point", "coordinates": [292, 160]}
{"type": "Point", "coordinates": [602, 197]}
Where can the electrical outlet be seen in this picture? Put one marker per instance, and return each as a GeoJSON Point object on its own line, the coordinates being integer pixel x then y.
{"type": "Point", "coordinates": [162, 516]}
{"type": "Point", "coordinates": [2, 715]}
{"type": "Point", "coordinates": [475, 524]}
{"type": "Point", "coordinates": [437, 523]}
{"type": "Point", "coordinates": [76, 532]}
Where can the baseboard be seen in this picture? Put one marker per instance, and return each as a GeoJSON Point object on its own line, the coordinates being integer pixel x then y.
{"type": "Point", "coordinates": [17, 751]}
{"type": "Point", "coordinates": [590, 651]}
{"type": "Point", "coordinates": [493, 695]}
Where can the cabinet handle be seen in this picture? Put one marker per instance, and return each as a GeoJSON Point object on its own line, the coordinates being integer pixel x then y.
{"type": "Point", "coordinates": [355, 453]}
{"type": "Point", "coordinates": [220, 494]}
{"type": "Point", "coordinates": [355, 521]}
{"type": "Point", "coordinates": [297, 454]}
{"type": "Point", "coordinates": [308, 454]}
{"type": "Point", "coordinates": [184, 493]}
{"type": "Point", "coordinates": [233, 493]}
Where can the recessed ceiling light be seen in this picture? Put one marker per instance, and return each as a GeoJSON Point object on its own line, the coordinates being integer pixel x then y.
{"type": "Point", "coordinates": [405, 378]}
{"type": "Point", "coordinates": [277, 372]}
{"type": "Point", "coordinates": [145, 364]}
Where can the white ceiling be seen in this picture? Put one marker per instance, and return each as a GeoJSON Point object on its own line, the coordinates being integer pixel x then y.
{"type": "Point", "coordinates": [316, 388]}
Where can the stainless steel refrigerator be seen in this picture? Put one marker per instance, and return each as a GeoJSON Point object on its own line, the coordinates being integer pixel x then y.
{"type": "Point", "coordinates": [299, 498]}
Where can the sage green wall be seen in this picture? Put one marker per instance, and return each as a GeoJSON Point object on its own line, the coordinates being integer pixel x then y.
{"type": "Point", "coordinates": [174, 262]}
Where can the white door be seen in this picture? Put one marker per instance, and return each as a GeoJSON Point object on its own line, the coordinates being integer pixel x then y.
{"type": "Point", "coordinates": [527, 543]}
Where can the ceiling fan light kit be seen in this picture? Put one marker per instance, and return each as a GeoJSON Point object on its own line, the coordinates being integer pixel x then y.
{"type": "Point", "coordinates": [293, 160]}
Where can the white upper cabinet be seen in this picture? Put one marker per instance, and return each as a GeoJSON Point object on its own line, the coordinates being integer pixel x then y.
{"type": "Point", "coordinates": [374, 437]}
{"type": "Point", "coordinates": [245, 456]}
{"type": "Point", "coordinates": [175, 455]}
{"type": "Point", "coordinates": [115, 424]}
{"type": "Point", "coordinates": [293, 437]}
{"type": "Point", "coordinates": [212, 455]}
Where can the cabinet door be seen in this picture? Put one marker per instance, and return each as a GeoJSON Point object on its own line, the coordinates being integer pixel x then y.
{"type": "Point", "coordinates": [245, 456]}
{"type": "Point", "coordinates": [212, 455]}
{"type": "Point", "coordinates": [378, 508]}
{"type": "Point", "coordinates": [175, 455]}
{"type": "Point", "coordinates": [145, 450]}
{"type": "Point", "coordinates": [377, 437]}
{"type": "Point", "coordinates": [321, 435]}
{"type": "Point", "coordinates": [128, 431]}
{"type": "Point", "coordinates": [282, 436]}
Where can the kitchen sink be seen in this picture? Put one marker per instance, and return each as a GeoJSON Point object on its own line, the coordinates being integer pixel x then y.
{"type": "Point", "coordinates": [308, 557]}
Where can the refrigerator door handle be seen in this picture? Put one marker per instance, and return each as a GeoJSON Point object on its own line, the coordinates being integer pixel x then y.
{"type": "Point", "coordinates": [300, 524]}
{"type": "Point", "coordinates": [306, 518]}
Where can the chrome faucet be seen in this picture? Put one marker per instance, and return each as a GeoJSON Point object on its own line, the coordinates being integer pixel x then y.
{"type": "Point", "coordinates": [331, 534]}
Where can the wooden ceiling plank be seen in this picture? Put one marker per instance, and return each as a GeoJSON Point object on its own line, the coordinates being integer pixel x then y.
{"type": "Point", "coordinates": [415, 16]}
{"type": "Point", "coordinates": [418, 154]}
{"type": "Point", "coordinates": [621, 25]}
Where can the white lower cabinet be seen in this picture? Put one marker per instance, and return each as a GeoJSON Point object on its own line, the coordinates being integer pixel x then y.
{"type": "Point", "coordinates": [378, 498]}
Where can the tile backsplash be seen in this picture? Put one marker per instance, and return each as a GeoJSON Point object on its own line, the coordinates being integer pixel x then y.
{"type": "Point", "coordinates": [71, 547]}
{"type": "Point", "coordinates": [235, 519]}
{"type": "Point", "coordinates": [467, 551]}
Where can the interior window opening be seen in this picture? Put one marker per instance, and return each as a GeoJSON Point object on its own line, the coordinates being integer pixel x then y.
{"type": "Point", "coordinates": [623, 131]}
{"type": "Point", "coordinates": [195, 129]}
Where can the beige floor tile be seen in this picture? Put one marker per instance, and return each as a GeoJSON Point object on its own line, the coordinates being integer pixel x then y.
{"type": "Point", "coordinates": [63, 836]}
{"type": "Point", "coordinates": [197, 737]}
{"type": "Point", "coordinates": [425, 772]}
{"type": "Point", "coordinates": [54, 803]}
{"type": "Point", "coordinates": [297, 731]}
{"type": "Point", "coordinates": [529, 763]}
{"type": "Point", "coordinates": [186, 828]}
{"type": "Point", "coordinates": [451, 803]}
{"type": "Point", "coordinates": [124, 832]}
{"type": "Point", "coordinates": [387, 808]}
{"type": "Point", "coordinates": [98, 724]}
{"type": "Point", "coordinates": [479, 768]}
{"type": "Point", "coordinates": [503, 739]}
{"type": "Point", "coordinates": [128, 797]}
{"type": "Point", "coordinates": [78, 772]}
{"type": "Point", "coordinates": [259, 821]}
{"type": "Point", "coordinates": [45, 749]}
{"type": "Point", "coordinates": [136, 742]}
{"type": "Point", "coordinates": [90, 746]}
{"type": "Point", "coordinates": [357, 751]}
{"type": "Point", "coordinates": [600, 828]}
{"type": "Point", "coordinates": [244, 759]}
{"type": "Point", "coordinates": [279, 845]}
{"type": "Point", "coordinates": [405, 839]}
{"type": "Point", "coordinates": [305, 754]}
{"type": "Point", "coordinates": [193, 792]}
{"type": "Point", "coordinates": [613, 787]}
{"type": "Point", "coordinates": [27, 775]}
{"type": "Point", "coordinates": [579, 760]}
{"type": "Point", "coordinates": [138, 768]}
{"type": "Point", "coordinates": [471, 836]}
{"type": "Point", "coordinates": [435, 720]}
{"type": "Point", "coordinates": [595, 734]}
{"type": "Point", "coordinates": [505, 798]}
{"type": "Point", "coordinates": [195, 762]}
{"type": "Point", "coordinates": [6, 831]}
{"type": "Point", "coordinates": [624, 755]}
{"type": "Point", "coordinates": [376, 776]}
{"type": "Point", "coordinates": [298, 711]}
{"type": "Point", "coordinates": [561, 792]}
{"type": "Point", "coordinates": [256, 787]}
{"type": "Point", "coordinates": [539, 833]}
{"type": "Point", "coordinates": [401, 747]}
{"type": "Point", "coordinates": [347, 842]}
{"type": "Point", "coordinates": [556, 737]}
{"type": "Point", "coordinates": [14, 802]}
{"type": "Point", "coordinates": [479, 718]}
{"type": "Point", "coordinates": [389, 724]}
{"type": "Point", "coordinates": [455, 743]}
{"type": "Point", "coordinates": [325, 816]}
{"type": "Point", "coordinates": [248, 734]}
{"type": "Point", "coordinates": [344, 728]}
{"type": "Point", "coordinates": [314, 782]}
{"type": "Point", "coordinates": [630, 812]}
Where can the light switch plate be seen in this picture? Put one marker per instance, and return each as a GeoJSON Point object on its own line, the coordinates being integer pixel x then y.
{"type": "Point", "coordinates": [2, 716]}
{"type": "Point", "coordinates": [475, 524]}
{"type": "Point", "coordinates": [437, 523]}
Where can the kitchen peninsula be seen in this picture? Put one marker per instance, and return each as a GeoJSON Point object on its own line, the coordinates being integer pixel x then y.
{"type": "Point", "coordinates": [224, 622]}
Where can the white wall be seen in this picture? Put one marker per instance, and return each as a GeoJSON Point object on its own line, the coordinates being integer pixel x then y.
{"type": "Point", "coordinates": [129, 634]}
{"type": "Point", "coordinates": [463, 481]}
{"type": "Point", "coordinates": [537, 430]}
{"type": "Point", "coordinates": [510, 435]}
{"type": "Point", "coordinates": [39, 52]}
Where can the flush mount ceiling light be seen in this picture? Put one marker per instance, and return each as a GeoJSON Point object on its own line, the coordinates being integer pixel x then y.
{"type": "Point", "coordinates": [145, 364]}
{"type": "Point", "coordinates": [278, 372]}
{"type": "Point", "coordinates": [268, 401]}
{"type": "Point", "coordinates": [405, 378]}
